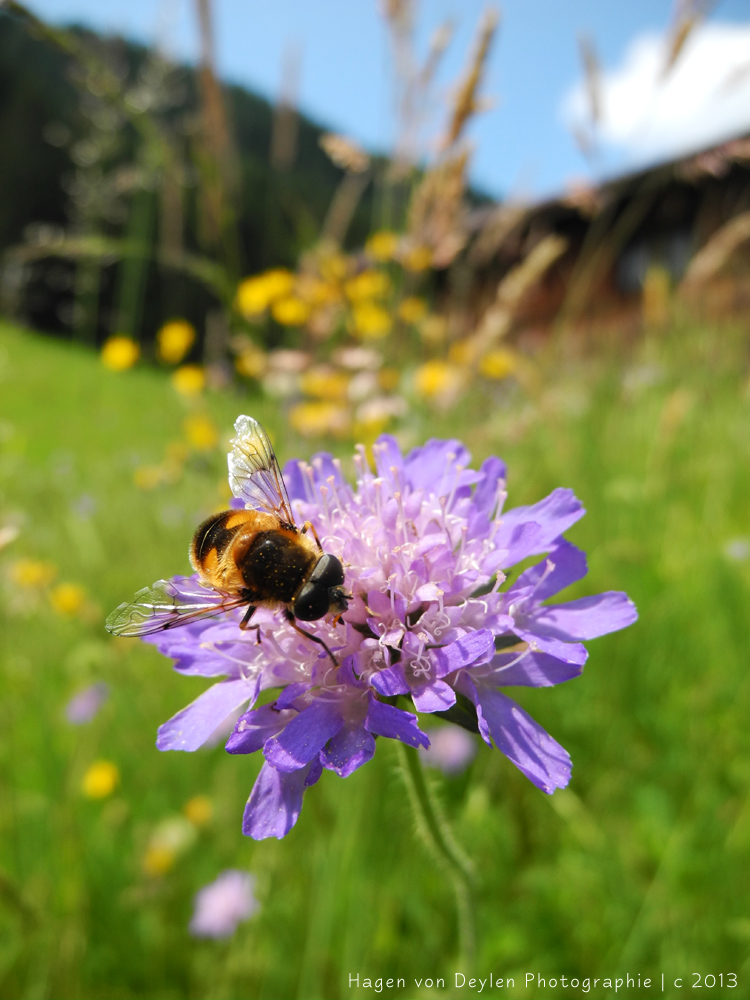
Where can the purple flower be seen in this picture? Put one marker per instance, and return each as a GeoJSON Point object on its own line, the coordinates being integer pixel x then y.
{"type": "Point", "coordinates": [223, 904]}
{"type": "Point", "coordinates": [83, 706]}
{"type": "Point", "coordinates": [426, 544]}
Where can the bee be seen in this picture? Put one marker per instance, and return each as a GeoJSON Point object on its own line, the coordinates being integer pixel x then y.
{"type": "Point", "coordinates": [256, 557]}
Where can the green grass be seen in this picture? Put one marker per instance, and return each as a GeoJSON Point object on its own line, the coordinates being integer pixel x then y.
{"type": "Point", "coordinates": [641, 866]}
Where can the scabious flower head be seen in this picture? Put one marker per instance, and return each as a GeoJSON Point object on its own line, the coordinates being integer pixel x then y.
{"type": "Point", "coordinates": [426, 542]}
{"type": "Point", "coordinates": [223, 904]}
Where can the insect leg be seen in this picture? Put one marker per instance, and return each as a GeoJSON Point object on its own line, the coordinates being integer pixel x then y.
{"type": "Point", "coordinates": [309, 524]}
{"type": "Point", "coordinates": [308, 635]}
{"type": "Point", "coordinates": [245, 623]}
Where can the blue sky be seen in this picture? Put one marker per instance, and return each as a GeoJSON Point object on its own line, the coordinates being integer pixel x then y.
{"type": "Point", "coordinates": [523, 146]}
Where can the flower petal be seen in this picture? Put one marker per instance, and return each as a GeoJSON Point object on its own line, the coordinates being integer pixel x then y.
{"type": "Point", "coordinates": [522, 740]}
{"type": "Point", "coordinates": [493, 472]}
{"type": "Point", "coordinates": [304, 736]}
{"type": "Point", "coordinates": [532, 670]}
{"type": "Point", "coordinates": [387, 456]}
{"type": "Point", "coordinates": [256, 726]}
{"type": "Point", "coordinates": [294, 478]}
{"type": "Point", "coordinates": [476, 647]}
{"type": "Point", "coordinates": [191, 727]}
{"type": "Point", "coordinates": [568, 652]}
{"type": "Point", "coordinates": [433, 466]}
{"type": "Point", "coordinates": [349, 749]}
{"type": "Point", "coordinates": [275, 803]}
{"type": "Point", "coordinates": [435, 697]}
{"type": "Point", "coordinates": [520, 541]}
{"type": "Point", "coordinates": [568, 566]}
{"type": "Point", "coordinates": [390, 681]}
{"type": "Point", "coordinates": [385, 720]}
{"type": "Point", "coordinates": [586, 618]}
{"type": "Point", "coordinates": [554, 514]}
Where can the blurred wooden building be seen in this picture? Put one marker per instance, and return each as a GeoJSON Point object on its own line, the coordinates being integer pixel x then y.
{"type": "Point", "coordinates": [623, 253]}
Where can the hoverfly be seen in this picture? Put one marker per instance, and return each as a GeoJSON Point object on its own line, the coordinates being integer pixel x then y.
{"type": "Point", "coordinates": [256, 557]}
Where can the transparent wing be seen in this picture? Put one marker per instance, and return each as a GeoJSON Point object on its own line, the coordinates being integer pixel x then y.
{"type": "Point", "coordinates": [254, 473]}
{"type": "Point", "coordinates": [167, 605]}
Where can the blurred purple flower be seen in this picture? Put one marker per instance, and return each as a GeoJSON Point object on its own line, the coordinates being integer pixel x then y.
{"type": "Point", "coordinates": [426, 543]}
{"type": "Point", "coordinates": [83, 706]}
{"type": "Point", "coordinates": [451, 749]}
{"type": "Point", "coordinates": [223, 904]}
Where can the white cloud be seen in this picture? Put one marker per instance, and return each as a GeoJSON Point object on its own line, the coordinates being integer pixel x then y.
{"type": "Point", "coordinates": [646, 116]}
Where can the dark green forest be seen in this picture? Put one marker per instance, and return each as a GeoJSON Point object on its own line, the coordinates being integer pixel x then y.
{"type": "Point", "coordinates": [64, 139]}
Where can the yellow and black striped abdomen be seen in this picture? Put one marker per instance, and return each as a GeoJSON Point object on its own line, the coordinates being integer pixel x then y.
{"type": "Point", "coordinates": [213, 544]}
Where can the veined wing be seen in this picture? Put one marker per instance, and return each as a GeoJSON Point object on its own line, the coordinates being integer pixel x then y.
{"type": "Point", "coordinates": [168, 605]}
{"type": "Point", "coordinates": [254, 473]}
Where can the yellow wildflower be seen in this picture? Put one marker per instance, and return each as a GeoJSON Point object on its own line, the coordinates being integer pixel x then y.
{"type": "Point", "coordinates": [412, 309]}
{"type": "Point", "coordinates": [170, 838]}
{"type": "Point", "coordinates": [177, 453]}
{"type": "Point", "coordinates": [255, 295]}
{"type": "Point", "coordinates": [148, 477]}
{"type": "Point", "coordinates": [371, 322]}
{"type": "Point", "coordinates": [100, 780]}
{"type": "Point", "coordinates": [290, 311]}
{"type": "Point", "coordinates": [174, 340]}
{"type": "Point", "coordinates": [461, 352]}
{"type": "Point", "coordinates": [334, 267]}
{"type": "Point", "coordinates": [252, 297]}
{"type": "Point", "coordinates": [315, 291]}
{"type": "Point", "coordinates": [417, 259]}
{"type": "Point", "coordinates": [32, 573]}
{"type": "Point", "coordinates": [120, 353]}
{"type": "Point", "coordinates": [434, 329]}
{"type": "Point", "coordinates": [199, 810]}
{"type": "Point", "coordinates": [68, 599]}
{"type": "Point", "coordinates": [435, 378]}
{"type": "Point", "coordinates": [201, 432]}
{"type": "Point", "coordinates": [189, 380]}
{"type": "Point", "coordinates": [368, 285]}
{"type": "Point", "coordinates": [382, 245]}
{"type": "Point", "coordinates": [250, 362]}
{"type": "Point", "coordinates": [324, 382]}
{"type": "Point", "coordinates": [368, 431]}
{"type": "Point", "coordinates": [313, 419]}
{"type": "Point", "coordinates": [158, 860]}
{"type": "Point", "coordinates": [498, 364]}
{"type": "Point", "coordinates": [388, 379]}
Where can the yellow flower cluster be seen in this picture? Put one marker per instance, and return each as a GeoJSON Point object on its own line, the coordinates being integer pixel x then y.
{"type": "Point", "coordinates": [100, 780]}
{"type": "Point", "coordinates": [333, 291]}
{"type": "Point", "coordinates": [174, 340]}
{"type": "Point", "coordinates": [120, 353]}
{"type": "Point", "coordinates": [68, 599]}
{"type": "Point", "coordinates": [373, 297]}
{"type": "Point", "coordinates": [189, 380]}
{"type": "Point", "coordinates": [32, 573]}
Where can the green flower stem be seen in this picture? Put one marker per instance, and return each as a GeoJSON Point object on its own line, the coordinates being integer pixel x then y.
{"type": "Point", "coordinates": [436, 834]}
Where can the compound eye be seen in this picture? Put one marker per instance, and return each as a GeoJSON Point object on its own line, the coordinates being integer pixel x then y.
{"type": "Point", "coordinates": [328, 572]}
{"type": "Point", "coordinates": [312, 602]}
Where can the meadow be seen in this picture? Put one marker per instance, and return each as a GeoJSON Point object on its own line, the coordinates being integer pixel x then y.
{"type": "Point", "coordinates": [639, 867]}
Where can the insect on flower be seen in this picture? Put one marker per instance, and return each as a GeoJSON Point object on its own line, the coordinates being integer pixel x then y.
{"type": "Point", "coordinates": [256, 557]}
